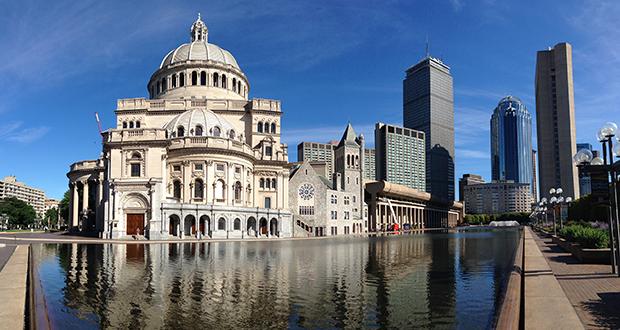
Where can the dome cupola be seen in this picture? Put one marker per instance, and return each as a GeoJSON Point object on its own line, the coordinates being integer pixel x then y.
{"type": "Point", "coordinates": [199, 30]}
{"type": "Point", "coordinates": [199, 69]}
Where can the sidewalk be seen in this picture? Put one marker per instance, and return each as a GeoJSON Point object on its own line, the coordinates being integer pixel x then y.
{"type": "Point", "coordinates": [592, 290]}
{"type": "Point", "coordinates": [546, 304]}
{"type": "Point", "coordinates": [13, 289]}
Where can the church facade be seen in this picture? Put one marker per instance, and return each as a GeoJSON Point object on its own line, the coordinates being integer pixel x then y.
{"type": "Point", "coordinates": [198, 158]}
{"type": "Point", "coordinates": [333, 206]}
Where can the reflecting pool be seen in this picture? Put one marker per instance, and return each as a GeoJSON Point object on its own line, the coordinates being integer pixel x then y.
{"type": "Point", "coordinates": [446, 280]}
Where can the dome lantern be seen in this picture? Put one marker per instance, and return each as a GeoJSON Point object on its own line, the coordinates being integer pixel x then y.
{"type": "Point", "coordinates": [199, 31]}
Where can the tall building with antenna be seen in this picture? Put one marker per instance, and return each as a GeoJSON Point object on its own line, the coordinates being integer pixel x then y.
{"type": "Point", "coordinates": [428, 106]}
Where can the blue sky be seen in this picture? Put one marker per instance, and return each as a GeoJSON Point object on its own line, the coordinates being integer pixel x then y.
{"type": "Point", "coordinates": [329, 62]}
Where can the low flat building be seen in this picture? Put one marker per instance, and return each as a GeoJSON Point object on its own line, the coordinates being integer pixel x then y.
{"type": "Point", "coordinates": [10, 187]}
{"type": "Point", "coordinates": [497, 197]}
{"type": "Point", "coordinates": [466, 180]}
{"type": "Point", "coordinates": [390, 203]}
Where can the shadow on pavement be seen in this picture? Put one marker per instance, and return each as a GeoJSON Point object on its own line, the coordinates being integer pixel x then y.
{"type": "Point", "coordinates": [605, 312]}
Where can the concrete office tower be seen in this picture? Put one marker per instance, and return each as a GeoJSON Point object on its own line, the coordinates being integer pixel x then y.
{"type": "Point", "coordinates": [511, 142]}
{"type": "Point", "coordinates": [318, 152]}
{"type": "Point", "coordinates": [400, 156]}
{"type": "Point", "coordinates": [534, 177]}
{"type": "Point", "coordinates": [555, 120]}
{"type": "Point", "coordinates": [370, 173]}
{"type": "Point", "coordinates": [428, 106]}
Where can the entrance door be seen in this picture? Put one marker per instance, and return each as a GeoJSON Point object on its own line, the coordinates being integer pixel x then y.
{"type": "Point", "coordinates": [135, 224]}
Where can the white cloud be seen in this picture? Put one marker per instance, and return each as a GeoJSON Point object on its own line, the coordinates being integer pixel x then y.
{"type": "Point", "coordinates": [15, 132]}
{"type": "Point", "coordinates": [457, 5]}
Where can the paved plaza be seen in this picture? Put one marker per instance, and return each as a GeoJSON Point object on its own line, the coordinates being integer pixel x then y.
{"type": "Point", "coordinates": [591, 289]}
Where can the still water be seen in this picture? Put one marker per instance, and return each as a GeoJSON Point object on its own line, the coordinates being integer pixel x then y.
{"type": "Point", "coordinates": [439, 280]}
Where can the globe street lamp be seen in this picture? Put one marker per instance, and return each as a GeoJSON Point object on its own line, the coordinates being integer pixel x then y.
{"type": "Point", "coordinates": [555, 200]}
{"type": "Point", "coordinates": [543, 207]}
{"type": "Point", "coordinates": [606, 168]}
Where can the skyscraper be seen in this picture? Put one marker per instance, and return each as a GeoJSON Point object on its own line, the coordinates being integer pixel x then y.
{"type": "Point", "coordinates": [534, 177]}
{"type": "Point", "coordinates": [322, 152]}
{"type": "Point", "coordinates": [555, 120]}
{"type": "Point", "coordinates": [428, 106]}
{"type": "Point", "coordinates": [511, 142]}
{"type": "Point", "coordinates": [400, 155]}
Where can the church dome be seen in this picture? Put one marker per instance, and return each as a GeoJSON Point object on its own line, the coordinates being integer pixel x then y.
{"type": "Point", "coordinates": [199, 69]}
{"type": "Point", "coordinates": [199, 51]}
{"type": "Point", "coordinates": [200, 122]}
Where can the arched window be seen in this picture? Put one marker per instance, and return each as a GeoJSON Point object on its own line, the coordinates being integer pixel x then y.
{"type": "Point", "coordinates": [237, 224]}
{"type": "Point", "coordinates": [216, 131]}
{"type": "Point", "coordinates": [357, 161]}
{"type": "Point", "coordinates": [267, 183]}
{"type": "Point", "coordinates": [238, 191]}
{"type": "Point", "coordinates": [231, 134]}
{"type": "Point", "coordinates": [199, 189]}
{"type": "Point", "coordinates": [221, 224]}
{"type": "Point", "coordinates": [274, 184]}
{"type": "Point", "coordinates": [174, 81]}
{"type": "Point", "coordinates": [181, 79]}
{"type": "Point", "coordinates": [273, 127]}
{"type": "Point", "coordinates": [216, 80]}
{"type": "Point", "coordinates": [259, 127]}
{"type": "Point", "coordinates": [194, 78]}
{"type": "Point", "coordinates": [219, 190]}
{"type": "Point", "coordinates": [164, 84]}
{"type": "Point", "coordinates": [131, 124]}
{"type": "Point", "coordinates": [180, 131]}
{"type": "Point", "coordinates": [198, 130]}
{"type": "Point", "coordinates": [234, 83]}
{"type": "Point", "coordinates": [124, 124]}
{"type": "Point", "coordinates": [239, 87]}
{"type": "Point", "coordinates": [224, 82]}
{"type": "Point", "coordinates": [261, 183]}
{"type": "Point", "coordinates": [348, 160]}
{"type": "Point", "coordinates": [138, 124]}
{"type": "Point", "coordinates": [203, 78]}
{"type": "Point", "coordinates": [176, 189]}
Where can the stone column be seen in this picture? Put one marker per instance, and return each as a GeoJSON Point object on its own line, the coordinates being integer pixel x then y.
{"type": "Point", "coordinates": [74, 206]}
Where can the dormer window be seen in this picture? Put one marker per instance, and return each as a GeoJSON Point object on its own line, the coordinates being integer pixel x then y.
{"type": "Point", "coordinates": [216, 131]}
{"type": "Point", "coordinates": [198, 130]}
{"type": "Point", "coordinates": [231, 134]}
{"type": "Point", "coordinates": [268, 150]}
{"type": "Point", "coordinates": [180, 131]}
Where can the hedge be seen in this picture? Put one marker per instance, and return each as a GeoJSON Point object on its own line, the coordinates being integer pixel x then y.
{"type": "Point", "coordinates": [587, 237]}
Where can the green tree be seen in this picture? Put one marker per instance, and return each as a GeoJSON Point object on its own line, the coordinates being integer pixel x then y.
{"type": "Point", "coordinates": [51, 217]}
{"type": "Point", "coordinates": [63, 206]}
{"type": "Point", "coordinates": [18, 212]}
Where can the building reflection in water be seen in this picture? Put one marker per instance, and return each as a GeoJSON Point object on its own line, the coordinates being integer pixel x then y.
{"type": "Point", "coordinates": [421, 280]}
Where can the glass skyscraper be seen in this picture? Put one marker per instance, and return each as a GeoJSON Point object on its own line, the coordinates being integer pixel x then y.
{"type": "Point", "coordinates": [511, 142]}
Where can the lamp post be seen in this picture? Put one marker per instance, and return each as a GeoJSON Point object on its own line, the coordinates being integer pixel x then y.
{"type": "Point", "coordinates": [606, 136]}
{"type": "Point", "coordinates": [605, 167]}
{"type": "Point", "coordinates": [543, 207]}
{"type": "Point", "coordinates": [556, 199]}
